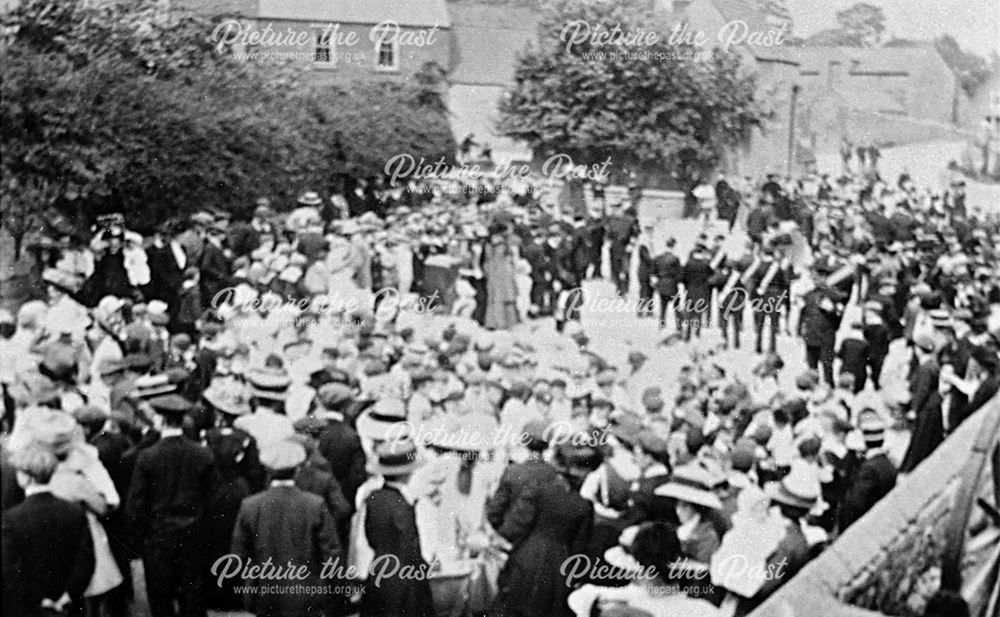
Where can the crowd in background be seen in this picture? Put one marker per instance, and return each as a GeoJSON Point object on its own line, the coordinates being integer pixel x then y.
{"type": "Point", "coordinates": [249, 388]}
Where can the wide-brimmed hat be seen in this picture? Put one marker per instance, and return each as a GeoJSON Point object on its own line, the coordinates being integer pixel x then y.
{"type": "Point", "coordinates": [268, 383]}
{"type": "Point", "coordinates": [148, 386]}
{"type": "Point", "coordinates": [795, 489]}
{"type": "Point", "coordinates": [61, 279]}
{"type": "Point", "coordinates": [228, 396]}
{"type": "Point", "coordinates": [692, 484]}
{"type": "Point", "coordinates": [872, 427]}
{"type": "Point", "coordinates": [395, 457]}
{"type": "Point", "coordinates": [386, 418]}
{"type": "Point", "coordinates": [310, 198]}
{"type": "Point", "coordinates": [50, 428]}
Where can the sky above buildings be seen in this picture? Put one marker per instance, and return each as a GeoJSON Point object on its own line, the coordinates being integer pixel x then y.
{"type": "Point", "coordinates": [975, 24]}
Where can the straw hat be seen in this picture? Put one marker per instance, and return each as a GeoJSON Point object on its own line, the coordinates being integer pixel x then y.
{"type": "Point", "coordinates": [796, 489]}
{"type": "Point", "coordinates": [268, 383]}
{"type": "Point", "coordinates": [396, 457]}
{"type": "Point", "coordinates": [386, 418]}
{"type": "Point", "coordinates": [692, 484]}
{"type": "Point", "coordinates": [228, 396]}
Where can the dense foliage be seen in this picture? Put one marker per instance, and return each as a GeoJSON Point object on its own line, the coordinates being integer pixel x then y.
{"type": "Point", "coordinates": [649, 104]}
{"type": "Point", "coordinates": [120, 107]}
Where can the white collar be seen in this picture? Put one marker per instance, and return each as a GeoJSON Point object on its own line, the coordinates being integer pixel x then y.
{"type": "Point", "coordinates": [171, 432]}
{"type": "Point", "coordinates": [326, 414]}
{"type": "Point", "coordinates": [686, 530]}
{"type": "Point", "coordinates": [289, 482]}
{"type": "Point", "coordinates": [37, 489]}
{"type": "Point", "coordinates": [656, 469]}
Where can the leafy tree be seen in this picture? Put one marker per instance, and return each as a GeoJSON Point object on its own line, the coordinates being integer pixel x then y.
{"type": "Point", "coordinates": [972, 69]}
{"type": "Point", "coordinates": [654, 106]}
{"type": "Point", "coordinates": [860, 25]}
{"type": "Point", "coordinates": [119, 107]}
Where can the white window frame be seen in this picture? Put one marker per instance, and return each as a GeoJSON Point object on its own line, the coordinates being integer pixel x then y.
{"type": "Point", "coordinates": [394, 43]}
{"type": "Point", "coordinates": [331, 44]}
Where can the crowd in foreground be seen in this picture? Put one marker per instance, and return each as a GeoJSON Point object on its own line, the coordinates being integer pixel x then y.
{"type": "Point", "coordinates": [228, 401]}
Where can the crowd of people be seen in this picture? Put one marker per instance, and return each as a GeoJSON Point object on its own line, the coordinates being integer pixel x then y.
{"type": "Point", "coordinates": [345, 414]}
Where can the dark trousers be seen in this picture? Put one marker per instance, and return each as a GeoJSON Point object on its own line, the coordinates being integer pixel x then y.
{"type": "Point", "coordinates": [646, 302]}
{"type": "Point", "coordinates": [173, 569]}
{"type": "Point", "coordinates": [666, 302]}
{"type": "Point", "coordinates": [875, 366]}
{"type": "Point", "coordinates": [597, 260]}
{"type": "Point", "coordinates": [821, 354]}
{"type": "Point", "coordinates": [693, 321]}
{"type": "Point", "coordinates": [541, 296]}
{"type": "Point", "coordinates": [773, 317]}
{"type": "Point", "coordinates": [619, 269]}
{"type": "Point", "coordinates": [735, 316]}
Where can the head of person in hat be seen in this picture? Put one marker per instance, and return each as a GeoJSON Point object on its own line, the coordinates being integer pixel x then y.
{"type": "Point", "coordinates": [54, 430]}
{"type": "Point", "coordinates": [268, 386]}
{"type": "Point", "coordinates": [795, 494]}
{"type": "Point", "coordinates": [282, 458]}
{"type": "Point", "coordinates": [171, 409]}
{"type": "Point", "coordinates": [693, 488]}
{"type": "Point", "coordinates": [396, 459]}
{"type": "Point", "coordinates": [384, 421]}
{"type": "Point", "coordinates": [227, 396]}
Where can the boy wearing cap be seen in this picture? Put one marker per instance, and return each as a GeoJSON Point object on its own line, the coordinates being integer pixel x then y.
{"type": "Point", "coordinates": [876, 475]}
{"type": "Point", "coordinates": [286, 525]}
{"type": "Point", "coordinates": [172, 481]}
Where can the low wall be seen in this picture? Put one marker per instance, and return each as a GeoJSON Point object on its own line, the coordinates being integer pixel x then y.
{"type": "Point", "coordinates": [893, 559]}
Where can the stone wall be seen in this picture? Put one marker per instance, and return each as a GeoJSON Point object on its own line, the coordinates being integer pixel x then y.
{"type": "Point", "coordinates": [889, 562]}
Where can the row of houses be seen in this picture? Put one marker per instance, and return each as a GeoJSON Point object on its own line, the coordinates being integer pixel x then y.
{"type": "Point", "coordinates": [880, 96]}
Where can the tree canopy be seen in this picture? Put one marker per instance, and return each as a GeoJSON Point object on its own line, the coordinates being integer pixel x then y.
{"type": "Point", "coordinates": [649, 104]}
{"type": "Point", "coordinates": [859, 25]}
{"type": "Point", "coordinates": [121, 107]}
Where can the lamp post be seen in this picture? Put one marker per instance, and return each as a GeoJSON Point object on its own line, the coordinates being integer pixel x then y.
{"type": "Point", "coordinates": [791, 128]}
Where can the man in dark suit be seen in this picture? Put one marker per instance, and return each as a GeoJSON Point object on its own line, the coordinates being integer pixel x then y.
{"type": "Point", "coordinates": [216, 268]}
{"type": "Point", "coordinates": [876, 475]}
{"type": "Point", "coordinates": [620, 229]}
{"type": "Point", "coordinates": [667, 271]}
{"type": "Point", "coordinates": [167, 260]}
{"type": "Point", "coordinates": [770, 284]}
{"type": "Point", "coordinates": [518, 478]}
{"type": "Point", "coordinates": [289, 526]}
{"type": "Point", "coordinates": [582, 249]}
{"type": "Point", "coordinates": [340, 445]}
{"type": "Point", "coordinates": [818, 324]}
{"type": "Point", "coordinates": [644, 274]}
{"type": "Point", "coordinates": [696, 276]}
{"type": "Point", "coordinates": [538, 510]}
{"type": "Point", "coordinates": [595, 229]}
{"type": "Point", "coordinates": [538, 257]}
{"type": "Point", "coordinates": [48, 552]}
{"type": "Point", "coordinates": [924, 378]}
{"type": "Point", "coordinates": [392, 532]}
{"type": "Point", "coordinates": [172, 482]}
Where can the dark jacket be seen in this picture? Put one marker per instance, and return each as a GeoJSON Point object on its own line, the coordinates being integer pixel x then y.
{"type": "Point", "coordinates": [668, 271]}
{"type": "Point", "coordinates": [171, 485]}
{"type": "Point", "coordinates": [216, 273]}
{"type": "Point", "coordinates": [165, 274]}
{"type": "Point", "coordinates": [818, 325]}
{"type": "Point", "coordinates": [47, 551]}
{"type": "Point", "coordinates": [516, 481]}
{"type": "Point", "coordinates": [696, 276]}
{"type": "Point", "coordinates": [928, 433]}
{"type": "Point", "coordinates": [876, 476]}
{"type": "Point", "coordinates": [391, 530]}
{"type": "Point", "coordinates": [548, 523]}
{"type": "Point", "coordinates": [341, 446]}
{"type": "Point", "coordinates": [287, 525]}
